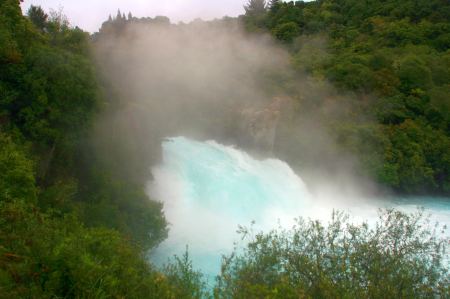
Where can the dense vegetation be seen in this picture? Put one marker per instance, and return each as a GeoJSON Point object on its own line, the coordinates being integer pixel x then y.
{"type": "Point", "coordinates": [69, 226]}
{"type": "Point", "coordinates": [72, 226]}
{"type": "Point", "coordinates": [393, 57]}
{"type": "Point", "coordinates": [397, 258]}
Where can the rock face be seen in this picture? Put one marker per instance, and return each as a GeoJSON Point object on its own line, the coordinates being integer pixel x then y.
{"type": "Point", "coordinates": [257, 128]}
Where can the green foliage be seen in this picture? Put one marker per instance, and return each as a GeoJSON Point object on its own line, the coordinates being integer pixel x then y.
{"type": "Point", "coordinates": [50, 96]}
{"type": "Point", "coordinates": [274, 5]}
{"type": "Point", "coordinates": [125, 207]}
{"type": "Point", "coordinates": [413, 73]}
{"type": "Point", "coordinates": [255, 7]}
{"type": "Point", "coordinates": [311, 55]}
{"type": "Point", "coordinates": [394, 51]}
{"type": "Point", "coordinates": [61, 96]}
{"type": "Point", "coordinates": [38, 16]}
{"type": "Point", "coordinates": [398, 257]}
{"type": "Point", "coordinates": [185, 281]}
{"type": "Point", "coordinates": [351, 75]}
{"type": "Point", "coordinates": [421, 154]}
{"type": "Point", "coordinates": [65, 232]}
{"type": "Point", "coordinates": [47, 256]}
{"type": "Point", "coordinates": [286, 32]}
{"type": "Point", "coordinates": [17, 180]}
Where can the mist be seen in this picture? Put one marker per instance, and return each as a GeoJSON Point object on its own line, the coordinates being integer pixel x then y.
{"type": "Point", "coordinates": [195, 80]}
{"type": "Point", "coordinates": [204, 81]}
{"type": "Point", "coordinates": [186, 77]}
{"type": "Point", "coordinates": [179, 100]}
{"type": "Point", "coordinates": [192, 80]}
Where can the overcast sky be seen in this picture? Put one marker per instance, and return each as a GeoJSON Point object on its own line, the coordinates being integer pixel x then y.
{"type": "Point", "coordinates": [89, 14]}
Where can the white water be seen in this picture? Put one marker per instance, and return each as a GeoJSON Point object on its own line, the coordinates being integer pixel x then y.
{"type": "Point", "coordinates": [209, 189]}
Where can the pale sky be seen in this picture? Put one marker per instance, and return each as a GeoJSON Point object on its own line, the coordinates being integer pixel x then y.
{"type": "Point", "coordinates": [89, 14]}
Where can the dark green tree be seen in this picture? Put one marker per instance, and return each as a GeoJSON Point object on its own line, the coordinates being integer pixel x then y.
{"type": "Point", "coordinates": [184, 279]}
{"type": "Point", "coordinates": [286, 32]}
{"type": "Point", "coordinates": [255, 7]}
{"type": "Point", "coordinates": [38, 16]}
{"type": "Point", "coordinates": [274, 5]}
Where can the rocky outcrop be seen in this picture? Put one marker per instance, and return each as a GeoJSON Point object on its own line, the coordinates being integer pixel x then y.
{"type": "Point", "coordinates": [257, 128]}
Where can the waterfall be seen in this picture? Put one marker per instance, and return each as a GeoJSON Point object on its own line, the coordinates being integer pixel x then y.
{"type": "Point", "coordinates": [209, 189]}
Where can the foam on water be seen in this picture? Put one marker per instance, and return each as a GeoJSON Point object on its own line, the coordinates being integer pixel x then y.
{"type": "Point", "coordinates": [208, 189]}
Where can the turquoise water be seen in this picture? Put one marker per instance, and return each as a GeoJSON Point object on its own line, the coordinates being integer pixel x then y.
{"type": "Point", "coordinates": [209, 189]}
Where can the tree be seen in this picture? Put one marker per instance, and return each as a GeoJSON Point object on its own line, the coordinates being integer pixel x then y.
{"type": "Point", "coordinates": [184, 279]}
{"type": "Point", "coordinates": [255, 7]}
{"type": "Point", "coordinates": [274, 5]}
{"type": "Point", "coordinates": [414, 73]}
{"type": "Point", "coordinates": [37, 16]}
{"type": "Point", "coordinates": [286, 32]}
{"type": "Point", "coordinates": [59, 20]}
{"type": "Point", "coordinates": [17, 180]}
{"type": "Point", "coordinates": [48, 256]}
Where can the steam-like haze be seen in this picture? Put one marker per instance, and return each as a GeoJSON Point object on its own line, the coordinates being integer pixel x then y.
{"type": "Point", "coordinates": [172, 68]}
{"type": "Point", "coordinates": [189, 80]}
{"type": "Point", "coordinates": [193, 80]}
{"type": "Point", "coordinates": [164, 80]}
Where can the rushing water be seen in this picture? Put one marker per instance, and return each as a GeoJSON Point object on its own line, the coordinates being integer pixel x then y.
{"type": "Point", "coordinates": [209, 189]}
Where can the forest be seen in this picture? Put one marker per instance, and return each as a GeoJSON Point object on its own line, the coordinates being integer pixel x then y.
{"type": "Point", "coordinates": [393, 57]}
{"type": "Point", "coordinates": [77, 224]}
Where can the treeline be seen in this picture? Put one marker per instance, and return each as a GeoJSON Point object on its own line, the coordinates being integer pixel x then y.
{"type": "Point", "coordinates": [393, 57]}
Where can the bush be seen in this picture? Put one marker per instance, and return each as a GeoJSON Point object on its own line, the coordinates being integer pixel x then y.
{"type": "Point", "coordinates": [184, 280]}
{"type": "Point", "coordinates": [286, 32]}
{"type": "Point", "coordinates": [46, 256]}
{"type": "Point", "coordinates": [398, 257]}
{"type": "Point", "coordinates": [16, 173]}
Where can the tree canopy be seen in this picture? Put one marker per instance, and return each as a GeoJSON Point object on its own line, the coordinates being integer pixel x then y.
{"type": "Point", "coordinates": [393, 57]}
